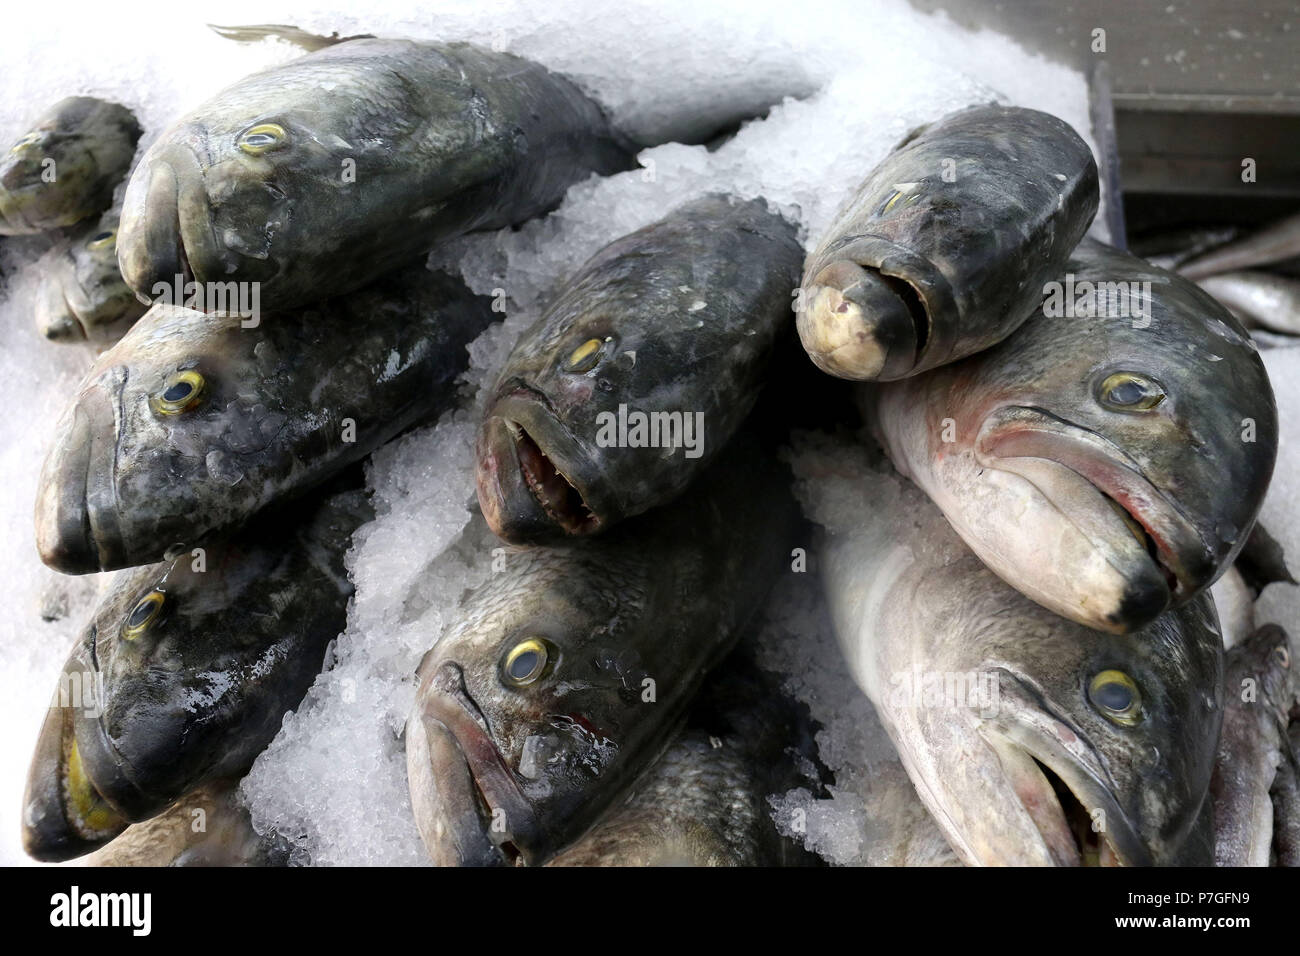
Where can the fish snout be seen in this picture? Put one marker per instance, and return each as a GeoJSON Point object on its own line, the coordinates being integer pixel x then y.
{"type": "Point", "coordinates": [155, 240]}
{"type": "Point", "coordinates": [860, 324]}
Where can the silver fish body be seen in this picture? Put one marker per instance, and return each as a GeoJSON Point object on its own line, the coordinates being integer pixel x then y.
{"type": "Point", "coordinates": [1258, 298]}
{"type": "Point", "coordinates": [1274, 243]}
{"type": "Point", "coordinates": [944, 249]}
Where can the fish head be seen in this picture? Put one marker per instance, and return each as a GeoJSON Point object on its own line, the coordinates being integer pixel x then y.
{"type": "Point", "coordinates": [1261, 665]}
{"type": "Point", "coordinates": [1076, 748]}
{"type": "Point", "coordinates": [1137, 451]}
{"type": "Point", "coordinates": [55, 174]}
{"type": "Point", "coordinates": [550, 460]}
{"type": "Point", "coordinates": [82, 295]}
{"type": "Point", "coordinates": [532, 713]}
{"type": "Point", "coordinates": [167, 411]}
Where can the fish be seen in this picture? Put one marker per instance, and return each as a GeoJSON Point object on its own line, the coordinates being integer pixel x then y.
{"type": "Point", "coordinates": [1032, 740]}
{"type": "Point", "coordinates": [82, 295]}
{"type": "Point", "coordinates": [208, 827]}
{"type": "Point", "coordinates": [1260, 690]}
{"type": "Point", "coordinates": [676, 323]}
{"type": "Point", "coordinates": [67, 166]}
{"type": "Point", "coordinates": [1269, 245]}
{"type": "Point", "coordinates": [1108, 467]}
{"type": "Point", "coordinates": [194, 422]}
{"type": "Point", "coordinates": [1286, 799]}
{"type": "Point", "coordinates": [704, 802]}
{"type": "Point", "coordinates": [184, 673]}
{"type": "Point", "coordinates": [316, 176]}
{"type": "Point", "coordinates": [565, 675]}
{"type": "Point", "coordinates": [1171, 248]}
{"type": "Point", "coordinates": [944, 249]}
{"type": "Point", "coordinates": [1258, 299]}
{"type": "Point", "coordinates": [1235, 603]}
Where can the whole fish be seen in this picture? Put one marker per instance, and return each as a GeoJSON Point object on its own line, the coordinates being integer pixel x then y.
{"type": "Point", "coordinates": [185, 672]}
{"type": "Point", "coordinates": [315, 176]}
{"type": "Point", "coordinates": [1258, 298]}
{"type": "Point", "coordinates": [1108, 466]}
{"type": "Point", "coordinates": [193, 422]}
{"type": "Point", "coordinates": [567, 674]}
{"type": "Point", "coordinates": [673, 326]}
{"type": "Point", "coordinates": [1260, 688]}
{"type": "Point", "coordinates": [1032, 740]}
{"type": "Point", "coordinates": [208, 827]}
{"type": "Point", "coordinates": [65, 169]}
{"type": "Point", "coordinates": [82, 296]}
{"type": "Point", "coordinates": [704, 802]}
{"type": "Point", "coordinates": [945, 248]}
{"type": "Point", "coordinates": [1271, 244]}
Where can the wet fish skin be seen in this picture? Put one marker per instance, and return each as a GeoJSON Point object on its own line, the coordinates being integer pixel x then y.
{"type": "Point", "coordinates": [1286, 799]}
{"type": "Point", "coordinates": [660, 599]}
{"type": "Point", "coordinates": [124, 481]}
{"type": "Point", "coordinates": [680, 317]}
{"type": "Point", "coordinates": [1038, 451]}
{"type": "Point", "coordinates": [909, 600]}
{"type": "Point", "coordinates": [1276, 242]}
{"type": "Point", "coordinates": [1258, 298]}
{"type": "Point", "coordinates": [65, 169]}
{"type": "Point", "coordinates": [82, 295]}
{"type": "Point", "coordinates": [196, 693]}
{"type": "Point", "coordinates": [315, 176]}
{"type": "Point", "coordinates": [704, 802]}
{"type": "Point", "coordinates": [944, 249]}
{"type": "Point", "coordinates": [1260, 688]}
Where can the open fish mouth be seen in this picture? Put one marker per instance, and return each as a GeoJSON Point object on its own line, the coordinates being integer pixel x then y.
{"type": "Point", "coordinates": [527, 493]}
{"type": "Point", "coordinates": [469, 807]}
{"type": "Point", "coordinates": [1061, 781]}
{"type": "Point", "coordinates": [1168, 538]}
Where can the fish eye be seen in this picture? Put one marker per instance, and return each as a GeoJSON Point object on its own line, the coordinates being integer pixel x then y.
{"type": "Point", "coordinates": [261, 138]}
{"type": "Point", "coordinates": [25, 141]}
{"type": "Point", "coordinates": [1130, 392]}
{"type": "Point", "coordinates": [1117, 697]}
{"type": "Point", "coordinates": [143, 615]}
{"type": "Point", "coordinates": [527, 661]}
{"type": "Point", "coordinates": [183, 391]}
{"type": "Point", "coordinates": [102, 240]}
{"type": "Point", "coordinates": [586, 356]}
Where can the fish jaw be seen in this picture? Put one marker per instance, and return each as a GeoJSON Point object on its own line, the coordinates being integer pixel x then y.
{"type": "Point", "coordinates": [64, 814]}
{"type": "Point", "coordinates": [468, 807]}
{"type": "Point", "coordinates": [524, 475]}
{"type": "Point", "coordinates": [860, 324]}
{"type": "Point", "coordinates": [1104, 492]}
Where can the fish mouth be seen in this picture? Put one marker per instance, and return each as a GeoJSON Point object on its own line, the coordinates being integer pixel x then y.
{"type": "Point", "coordinates": [469, 809]}
{"type": "Point", "coordinates": [56, 318]}
{"type": "Point", "coordinates": [77, 531]}
{"type": "Point", "coordinates": [1073, 459]}
{"type": "Point", "coordinates": [1061, 781]}
{"type": "Point", "coordinates": [526, 490]}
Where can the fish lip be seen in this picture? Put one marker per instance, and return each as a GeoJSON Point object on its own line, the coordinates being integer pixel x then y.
{"type": "Point", "coordinates": [447, 704]}
{"type": "Point", "coordinates": [521, 427]}
{"type": "Point", "coordinates": [1182, 553]}
{"type": "Point", "coordinates": [1064, 749]}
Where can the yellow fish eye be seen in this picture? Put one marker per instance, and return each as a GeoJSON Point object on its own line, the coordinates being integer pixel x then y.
{"type": "Point", "coordinates": [183, 391]}
{"type": "Point", "coordinates": [25, 141]}
{"type": "Point", "coordinates": [143, 615]}
{"type": "Point", "coordinates": [527, 661]}
{"type": "Point", "coordinates": [261, 138]}
{"type": "Point", "coordinates": [1130, 392]}
{"type": "Point", "coordinates": [102, 240]}
{"type": "Point", "coordinates": [1117, 697]}
{"type": "Point", "coordinates": [585, 356]}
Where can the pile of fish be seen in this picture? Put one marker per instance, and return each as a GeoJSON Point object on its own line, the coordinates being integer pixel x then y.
{"type": "Point", "coordinates": [1054, 448]}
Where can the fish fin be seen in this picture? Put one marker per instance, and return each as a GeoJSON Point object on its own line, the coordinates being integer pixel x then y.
{"type": "Point", "coordinates": [1263, 561]}
{"type": "Point", "coordinates": [311, 42]}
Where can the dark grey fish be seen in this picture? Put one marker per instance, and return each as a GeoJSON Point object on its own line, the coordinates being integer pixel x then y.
{"type": "Point", "coordinates": [184, 674]}
{"type": "Point", "coordinates": [1032, 740]}
{"type": "Point", "coordinates": [82, 296]}
{"type": "Point", "coordinates": [705, 801]}
{"type": "Point", "coordinates": [676, 323]}
{"type": "Point", "coordinates": [65, 169]}
{"type": "Point", "coordinates": [944, 249]}
{"type": "Point", "coordinates": [1259, 690]}
{"type": "Point", "coordinates": [1108, 466]}
{"type": "Point", "coordinates": [1271, 244]}
{"type": "Point", "coordinates": [567, 674]}
{"type": "Point", "coordinates": [315, 176]}
{"type": "Point", "coordinates": [1286, 799]}
{"type": "Point", "coordinates": [194, 422]}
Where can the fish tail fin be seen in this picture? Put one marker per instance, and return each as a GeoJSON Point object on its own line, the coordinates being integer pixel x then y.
{"type": "Point", "coordinates": [311, 42]}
